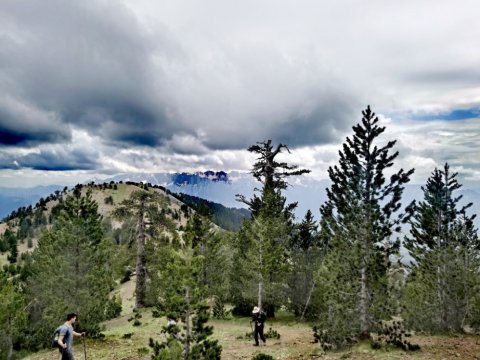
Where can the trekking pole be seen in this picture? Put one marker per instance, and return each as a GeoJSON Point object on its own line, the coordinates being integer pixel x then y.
{"type": "Point", "coordinates": [84, 347]}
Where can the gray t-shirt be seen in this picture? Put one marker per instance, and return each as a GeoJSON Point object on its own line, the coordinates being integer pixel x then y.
{"type": "Point", "coordinates": [67, 333]}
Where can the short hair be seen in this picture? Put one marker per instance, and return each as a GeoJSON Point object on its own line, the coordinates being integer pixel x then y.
{"type": "Point", "coordinates": [71, 315]}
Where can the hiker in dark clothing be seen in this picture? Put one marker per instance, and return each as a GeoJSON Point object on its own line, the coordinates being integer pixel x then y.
{"type": "Point", "coordinates": [258, 318]}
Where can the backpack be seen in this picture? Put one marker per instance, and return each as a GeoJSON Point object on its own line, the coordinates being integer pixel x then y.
{"type": "Point", "coordinates": [55, 337]}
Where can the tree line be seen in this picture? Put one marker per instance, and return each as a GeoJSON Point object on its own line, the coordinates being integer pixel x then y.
{"type": "Point", "coordinates": [344, 272]}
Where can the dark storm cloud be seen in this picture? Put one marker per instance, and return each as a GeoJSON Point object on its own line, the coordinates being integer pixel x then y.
{"type": "Point", "coordinates": [325, 124]}
{"type": "Point", "coordinates": [88, 63]}
{"type": "Point", "coordinates": [125, 124]}
{"type": "Point", "coordinates": [140, 78]}
{"type": "Point", "coordinates": [50, 160]}
{"type": "Point", "coordinates": [23, 125]}
{"type": "Point", "coordinates": [93, 65]}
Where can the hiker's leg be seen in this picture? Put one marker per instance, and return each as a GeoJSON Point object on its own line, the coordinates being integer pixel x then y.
{"type": "Point", "coordinates": [260, 330]}
{"type": "Point", "coordinates": [256, 334]}
{"type": "Point", "coordinates": [67, 355]}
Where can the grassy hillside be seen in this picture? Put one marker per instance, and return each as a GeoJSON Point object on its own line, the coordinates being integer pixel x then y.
{"type": "Point", "coordinates": [294, 343]}
{"type": "Point", "coordinates": [109, 195]}
{"type": "Point", "coordinates": [106, 195]}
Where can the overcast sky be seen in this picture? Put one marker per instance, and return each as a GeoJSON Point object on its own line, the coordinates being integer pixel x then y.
{"type": "Point", "coordinates": [93, 87]}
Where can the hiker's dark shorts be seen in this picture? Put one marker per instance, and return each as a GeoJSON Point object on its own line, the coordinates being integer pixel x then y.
{"type": "Point", "coordinates": [66, 354]}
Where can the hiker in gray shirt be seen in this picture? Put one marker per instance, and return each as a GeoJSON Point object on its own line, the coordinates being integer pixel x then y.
{"type": "Point", "coordinates": [66, 334]}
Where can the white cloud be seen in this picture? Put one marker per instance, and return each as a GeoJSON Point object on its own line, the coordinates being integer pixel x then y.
{"type": "Point", "coordinates": [185, 85]}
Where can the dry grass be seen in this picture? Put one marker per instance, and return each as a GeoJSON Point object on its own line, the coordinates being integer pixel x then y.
{"type": "Point", "coordinates": [295, 343]}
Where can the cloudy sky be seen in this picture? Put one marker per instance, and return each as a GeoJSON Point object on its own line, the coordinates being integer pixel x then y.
{"type": "Point", "coordinates": [93, 87]}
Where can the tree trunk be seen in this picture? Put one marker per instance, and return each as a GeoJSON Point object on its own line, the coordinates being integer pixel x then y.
{"type": "Point", "coordinates": [466, 290]}
{"type": "Point", "coordinates": [363, 301]}
{"type": "Point", "coordinates": [187, 321]}
{"type": "Point", "coordinates": [203, 250]}
{"type": "Point", "coordinates": [8, 341]}
{"type": "Point", "coordinates": [308, 300]}
{"type": "Point", "coordinates": [259, 294]}
{"type": "Point", "coordinates": [260, 269]}
{"type": "Point", "coordinates": [140, 288]}
{"type": "Point", "coordinates": [363, 306]}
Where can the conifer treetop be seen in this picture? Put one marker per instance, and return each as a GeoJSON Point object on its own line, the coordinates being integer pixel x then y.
{"type": "Point", "coordinates": [271, 173]}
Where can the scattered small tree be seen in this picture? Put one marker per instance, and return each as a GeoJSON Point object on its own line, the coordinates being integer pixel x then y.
{"type": "Point", "coordinates": [183, 297]}
{"type": "Point", "coordinates": [444, 280]}
{"type": "Point", "coordinates": [307, 253]}
{"type": "Point", "coordinates": [13, 318]}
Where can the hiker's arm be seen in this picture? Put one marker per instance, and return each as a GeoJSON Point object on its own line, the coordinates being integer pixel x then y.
{"type": "Point", "coordinates": [79, 334]}
{"type": "Point", "coordinates": [60, 341]}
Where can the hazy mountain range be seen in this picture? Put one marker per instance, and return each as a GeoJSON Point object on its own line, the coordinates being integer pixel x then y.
{"type": "Point", "coordinates": [13, 198]}
{"type": "Point", "coordinates": [221, 188]}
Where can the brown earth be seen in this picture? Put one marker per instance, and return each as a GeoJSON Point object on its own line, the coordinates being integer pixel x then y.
{"type": "Point", "coordinates": [295, 343]}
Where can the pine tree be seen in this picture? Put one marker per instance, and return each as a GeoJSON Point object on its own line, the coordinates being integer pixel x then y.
{"type": "Point", "coordinates": [144, 207]}
{"type": "Point", "coordinates": [306, 253]}
{"type": "Point", "coordinates": [444, 245]}
{"type": "Point", "coordinates": [68, 272]}
{"type": "Point", "coordinates": [183, 298]}
{"type": "Point", "coordinates": [208, 243]}
{"type": "Point", "coordinates": [358, 222]}
{"type": "Point", "coordinates": [432, 224]}
{"type": "Point", "coordinates": [273, 176]}
{"type": "Point", "coordinates": [268, 261]}
{"type": "Point", "coordinates": [261, 247]}
{"type": "Point", "coordinates": [13, 319]}
{"type": "Point", "coordinates": [198, 232]}
{"type": "Point", "coordinates": [11, 241]}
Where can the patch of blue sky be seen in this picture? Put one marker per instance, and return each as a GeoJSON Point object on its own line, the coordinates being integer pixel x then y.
{"type": "Point", "coordinates": [458, 114]}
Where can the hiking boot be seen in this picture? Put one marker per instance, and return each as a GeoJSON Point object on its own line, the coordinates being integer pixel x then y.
{"type": "Point", "coordinates": [255, 344]}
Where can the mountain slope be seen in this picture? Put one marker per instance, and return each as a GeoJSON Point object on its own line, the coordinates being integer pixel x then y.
{"type": "Point", "coordinates": [227, 218]}
{"type": "Point", "coordinates": [32, 220]}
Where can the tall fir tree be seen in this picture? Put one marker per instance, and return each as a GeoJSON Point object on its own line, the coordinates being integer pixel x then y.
{"type": "Point", "coordinates": [68, 272]}
{"type": "Point", "coordinates": [358, 222]}
{"type": "Point", "coordinates": [145, 208]}
{"type": "Point", "coordinates": [444, 245]}
{"type": "Point", "coordinates": [261, 247]}
{"type": "Point", "coordinates": [273, 175]}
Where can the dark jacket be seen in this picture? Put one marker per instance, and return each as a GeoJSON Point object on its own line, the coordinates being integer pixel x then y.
{"type": "Point", "coordinates": [259, 318]}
